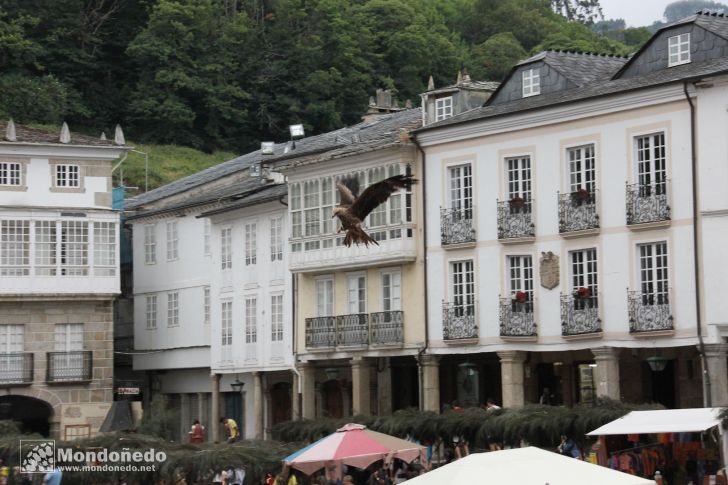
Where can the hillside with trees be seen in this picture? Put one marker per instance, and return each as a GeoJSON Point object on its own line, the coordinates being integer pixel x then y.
{"type": "Point", "coordinates": [226, 74]}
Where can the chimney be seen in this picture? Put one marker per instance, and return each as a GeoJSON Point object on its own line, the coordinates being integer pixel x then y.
{"type": "Point", "coordinates": [381, 104]}
{"type": "Point", "coordinates": [384, 98]}
{"type": "Point", "coordinates": [10, 131]}
{"type": "Point", "coordinates": [65, 136]}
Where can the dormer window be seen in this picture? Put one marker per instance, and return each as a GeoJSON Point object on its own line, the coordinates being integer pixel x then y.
{"type": "Point", "coordinates": [443, 108]}
{"type": "Point", "coordinates": [531, 83]}
{"type": "Point", "coordinates": [67, 176]}
{"type": "Point", "coordinates": [679, 49]}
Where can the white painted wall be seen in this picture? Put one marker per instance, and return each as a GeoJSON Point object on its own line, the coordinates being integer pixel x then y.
{"type": "Point", "coordinates": [612, 132]}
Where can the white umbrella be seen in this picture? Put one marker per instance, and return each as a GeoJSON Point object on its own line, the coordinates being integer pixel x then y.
{"type": "Point", "coordinates": [525, 466]}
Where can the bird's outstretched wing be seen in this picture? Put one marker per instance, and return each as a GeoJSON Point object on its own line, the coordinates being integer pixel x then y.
{"type": "Point", "coordinates": [377, 193]}
{"type": "Point", "coordinates": [348, 190]}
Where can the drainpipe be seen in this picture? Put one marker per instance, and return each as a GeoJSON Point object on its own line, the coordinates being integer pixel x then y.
{"type": "Point", "coordinates": [424, 238]}
{"type": "Point", "coordinates": [707, 395]}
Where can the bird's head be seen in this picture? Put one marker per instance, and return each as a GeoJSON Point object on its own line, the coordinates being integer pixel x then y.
{"type": "Point", "coordinates": [337, 211]}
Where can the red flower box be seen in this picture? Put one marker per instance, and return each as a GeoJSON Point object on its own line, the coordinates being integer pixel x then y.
{"type": "Point", "coordinates": [517, 202]}
{"type": "Point", "coordinates": [520, 296]}
{"type": "Point", "coordinates": [582, 293]}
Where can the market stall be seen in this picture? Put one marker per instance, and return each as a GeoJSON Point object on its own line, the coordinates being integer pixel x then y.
{"type": "Point", "coordinates": [682, 444]}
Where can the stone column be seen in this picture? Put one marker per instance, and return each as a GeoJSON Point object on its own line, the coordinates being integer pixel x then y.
{"type": "Point", "coordinates": [295, 402]}
{"type": "Point", "coordinates": [430, 382]}
{"type": "Point", "coordinates": [202, 413]}
{"type": "Point", "coordinates": [258, 404]}
{"type": "Point", "coordinates": [360, 377]}
{"type": "Point", "coordinates": [606, 373]}
{"type": "Point", "coordinates": [512, 378]}
{"type": "Point", "coordinates": [184, 417]}
{"type": "Point", "coordinates": [715, 355]}
{"type": "Point", "coordinates": [384, 389]}
{"type": "Point", "coordinates": [308, 390]}
{"type": "Point", "coordinates": [215, 408]}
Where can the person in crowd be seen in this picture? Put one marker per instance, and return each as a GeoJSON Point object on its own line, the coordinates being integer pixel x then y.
{"type": "Point", "coordinates": [196, 432]}
{"type": "Point", "coordinates": [569, 447]}
{"type": "Point", "coordinates": [232, 429]}
{"type": "Point", "coordinates": [460, 447]}
{"type": "Point", "coordinates": [490, 405]}
{"type": "Point", "coordinates": [348, 480]}
{"type": "Point", "coordinates": [547, 397]}
{"type": "Point", "coordinates": [379, 477]}
{"type": "Point", "coordinates": [53, 477]}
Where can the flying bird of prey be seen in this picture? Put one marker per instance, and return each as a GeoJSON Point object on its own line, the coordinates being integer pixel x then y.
{"type": "Point", "coordinates": [354, 207]}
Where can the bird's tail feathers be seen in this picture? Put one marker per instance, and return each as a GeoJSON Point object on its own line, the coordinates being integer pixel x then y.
{"type": "Point", "coordinates": [358, 236]}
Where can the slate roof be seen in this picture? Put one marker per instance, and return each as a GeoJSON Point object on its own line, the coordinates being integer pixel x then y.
{"type": "Point", "coordinates": [593, 90]}
{"type": "Point", "coordinates": [579, 67]}
{"type": "Point", "coordinates": [472, 85]}
{"type": "Point", "coordinates": [381, 132]}
{"type": "Point", "coordinates": [26, 134]}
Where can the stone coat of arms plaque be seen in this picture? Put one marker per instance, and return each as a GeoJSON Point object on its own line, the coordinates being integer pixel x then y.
{"type": "Point", "coordinates": [549, 270]}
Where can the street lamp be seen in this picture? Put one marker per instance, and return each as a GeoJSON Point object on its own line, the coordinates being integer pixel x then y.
{"type": "Point", "coordinates": [237, 385]}
{"type": "Point", "coordinates": [657, 363]}
{"type": "Point", "coordinates": [332, 373]}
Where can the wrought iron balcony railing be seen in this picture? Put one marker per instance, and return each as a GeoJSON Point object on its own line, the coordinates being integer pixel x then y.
{"type": "Point", "coordinates": [580, 315]}
{"type": "Point", "coordinates": [647, 203]}
{"type": "Point", "coordinates": [320, 332]}
{"type": "Point", "coordinates": [352, 329]}
{"type": "Point", "coordinates": [516, 318]}
{"type": "Point", "coordinates": [578, 211]}
{"type": "Point", "coordinates": [649, 312]}
{"type": "Point", "coordinates": [69, 366]}
{"type": "Point", "coordinates": [456, 226]}
{"type": "Point", "coordinates": [16, 368]}
{"type": "Point", "coordinates": [515, 218]}
{"type": "Point", "coordinates": [387, 328]}
{"type": "Point", "coordinates": [458, 321]}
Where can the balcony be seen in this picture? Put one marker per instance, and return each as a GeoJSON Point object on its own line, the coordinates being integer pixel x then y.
{"type": "Point", "coordinates": [75, 366]}
{"type": "Point", "coordinates": [578, 211]}
{"type": "Point", "coordinates": [516, 318]}
{"type": "Point", "coordinates": [387, 328]}
{"type": "Point", "coordinates": [647, 203]}
{"type": "Point", "coordinates": [649, 312]}
{"type": "Point", "coordinates": [456, 226]}
{"type": "Point", "coordinates": [515, 219]}
{"type": "Point", "coordinates": [355, 330]}
{"type": "Point", "coordinates": [16, 369]}
{"type": "Point", "coordinates": [580, 315]}
{"type": "Point", "coordinates": [458, 321]}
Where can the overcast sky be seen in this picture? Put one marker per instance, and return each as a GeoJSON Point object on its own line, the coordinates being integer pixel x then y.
{"type": "Point", "coordinates": [637, 13]}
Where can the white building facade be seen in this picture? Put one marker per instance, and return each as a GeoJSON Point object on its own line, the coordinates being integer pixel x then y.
{"type": "Point", "coordinates": [59, 274]}
{"type": "Point", "coordinates": [563, 267]}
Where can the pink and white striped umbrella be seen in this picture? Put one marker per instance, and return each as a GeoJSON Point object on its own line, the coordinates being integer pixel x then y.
{"type": "Point", "coordinates": [353, 445]}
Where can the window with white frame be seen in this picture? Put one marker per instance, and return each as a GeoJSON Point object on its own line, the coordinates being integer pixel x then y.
{"type": "Point", "coordinates": [584, 276]}
{"type": "Point", "coordinates": [226, 247]}
{"type": "Point", "coordinates": [11, 174]}
{"type": "Point", "coordinates": [391, 291]}
{"type": "Point", "coordinates": [276, 318]}
{"type": "Point", "coordinates": [325, 297]}
{"type": "Point", "coordinates": [173, 309]}
{"type": "Point", "coordinates": [74, 248]}
{"type": "Point", "coordinates": [651, 164]}
{"type": "Point", "coordinates": [443, 108]}
{"type": "Point", "coordinates": [311, 208]}
{"type": "Point", "coordinates": [67, 176]}
{"type": "Point", "coordinates": [11, 341]}
{"type": "Point", "coordinates": [582, 168]}
{"type": "Point", "coordinates": [356, 293]}
{"type": "Point", "coordinates": [276, 239]}
{"type": "Point", "coordinates": [378, 216]}
{"type": "Point", "coordinates": [462, 278]}
{"type": "Point", "coordinates": [151, 311]}
{"type": "Point", "coordinates": [520, 277]}
{"type": "Point", "coordinates": [461, 189]}
{"type": "Point", "coordinates": [294, 204]}
{"type": "Point", "coordinates": [519, 177]}
{"type": "Point", "coordinates": [172, 240]}
{"type": "Point", "coordinates": [226, 319]}
{"type": "Point", "coordinates": [251, 244]}
{"type": "Point", "coordinates": [206, 236]}
{"type": "Point", "coordinates": [68, 337]}
{"type": "Point", "coordinates": [104, 248]}
{"type": "Point", "coordinates": [206, 304]}
{"type": "Point", "coordinates": [14, 248]}
{"type": "Point", "coordinates": [654, 282]}
{"type": "Point", "coordinates": [327, 205]}
{"type": "Point", "coordinates": [531, 82]}
{"type": "Point", "coordinates": [45, 248]}
{"type": "Point", "coordinates": [251, 320]}
{"type": "Point", "coordinates": [678, 49]}
{"type": "Point", "coordinates": [150, 243]}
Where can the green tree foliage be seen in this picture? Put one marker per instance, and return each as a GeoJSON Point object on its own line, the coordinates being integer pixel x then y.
{"type": "Point", "coordinates": [227, 74]}
{"type": "Point", "coordinates": [492, 59]}
{"type": "Point", "coordinates": [160, 420]}
{"type": "Point", "coordinates": [679, 10]}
